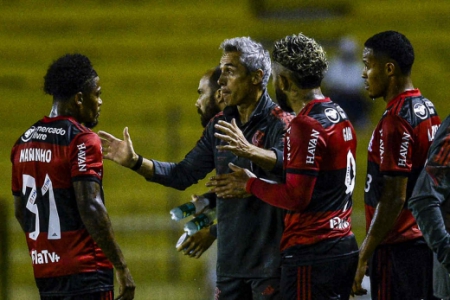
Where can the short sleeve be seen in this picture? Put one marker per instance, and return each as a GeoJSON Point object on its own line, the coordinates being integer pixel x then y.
{"type": "Point", "coordinates": [305, 141]}
{"type": "Point", "coordinates": [396, 138]}
{"type": "Point", "coordinates": [86, 161]}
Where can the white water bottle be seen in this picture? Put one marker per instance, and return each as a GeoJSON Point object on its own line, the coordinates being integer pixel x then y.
{"type": "Point", "coordinates": [197, 204]}
{"type": "Point", "coordinates": [199, 222]}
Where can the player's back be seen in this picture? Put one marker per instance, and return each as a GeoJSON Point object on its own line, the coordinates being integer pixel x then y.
{"type": "Point", "coordinates": [47, 159]}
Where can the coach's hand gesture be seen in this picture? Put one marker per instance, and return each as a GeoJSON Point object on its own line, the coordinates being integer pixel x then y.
{"type": "Point", "coordinates": [119, 151]}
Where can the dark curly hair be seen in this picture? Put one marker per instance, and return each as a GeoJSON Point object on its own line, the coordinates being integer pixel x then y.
{"type": "Point", "coordinates": [304, 57]}
{"type": "Point", "coordinates": [68, 75]}
{"type": "Point", "coordinates": [395, 46]}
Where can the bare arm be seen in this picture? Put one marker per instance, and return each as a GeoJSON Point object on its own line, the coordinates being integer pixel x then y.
{"type": "Point", "coordinates": [238, 144]}
{"type": "Point", "coordinates": [122, 153]}
{"type": "Point", "coordinates": [389, 207]}
{"type": "Point", "coordinates": [96, 220]}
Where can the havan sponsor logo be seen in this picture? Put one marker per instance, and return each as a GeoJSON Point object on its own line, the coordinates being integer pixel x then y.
{"type": "Point", "coordinates": [312, 144]}
{"type": "Point", "coordinates": [81, 157]}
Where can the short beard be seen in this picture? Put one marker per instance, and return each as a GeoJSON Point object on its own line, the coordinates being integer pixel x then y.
{"type": "Point", "coordinates": [283, 101]}
{"type": "Point", "coordinates": [91, 124]}
{"type": "Point", "coordinates": [211, 110]}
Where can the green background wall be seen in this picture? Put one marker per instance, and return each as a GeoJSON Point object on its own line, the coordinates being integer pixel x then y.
{"type": "Point", "coordinates": [150, 56]}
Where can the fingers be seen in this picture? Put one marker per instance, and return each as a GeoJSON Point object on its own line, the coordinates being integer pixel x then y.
{"type": "Point", "coordinates": [126, 134]}
{"type": "Point", "coordinates": [106, 136]}
{"type": "Point", "coordinates": [233, 167]}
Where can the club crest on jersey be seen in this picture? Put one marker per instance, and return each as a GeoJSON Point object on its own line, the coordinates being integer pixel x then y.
{"type": "Point", "coordinates": [332, 115]}
{"type": "Point", "coordinates": [257, 138]}
{"type": "Point", "coordinates": [28, 134]}
{"type": "Point", "coordinates": [420, 110]}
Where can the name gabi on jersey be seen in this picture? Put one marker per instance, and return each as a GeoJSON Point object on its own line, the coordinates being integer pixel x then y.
{"type": "Point", "coordinates": [44, 257]}
{"type": "Point", "coordinates": [312, 144]}
{"type": "Point", "coordinates": [347, 132]}
{"type": "Point", "coordinates": [404, 149]}
{"type": "Point", "coordinates": [35, 154]}
{"type": "Point", "coordinates": [81, 157]}
{"type": "Point", "coordinates": [338, 223]}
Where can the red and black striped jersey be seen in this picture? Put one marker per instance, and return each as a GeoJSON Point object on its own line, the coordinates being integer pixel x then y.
{"type": "Point", "coordinates": [319, 163]}
{"type": "Point", "coordinates": [46, 160]}
{"type": "Point", "coordinates": [399, 147]}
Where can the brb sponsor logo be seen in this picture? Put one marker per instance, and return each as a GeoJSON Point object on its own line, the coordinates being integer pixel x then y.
{"type": "Point", "coordinates": [44, 257]}
{"type": "Point", "coordinates": [332, 115]}
{"type": "Point", "coordinates": [421, 111]}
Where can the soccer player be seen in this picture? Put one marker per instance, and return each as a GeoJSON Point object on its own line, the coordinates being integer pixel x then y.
{"type": "Point", "coordinates": [400, 263]}
{"type": "Point", "coordinates": [249, 230]}
{"type": "Point", "coordinates": [319, 250]}
{"type": "Point", "coordinates": [57, 174]}
{"type": "Point", "coordinates": [429, 204]}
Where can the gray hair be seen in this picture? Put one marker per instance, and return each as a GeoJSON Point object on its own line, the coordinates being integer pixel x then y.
{"type": "Point", "coordinates": [304, 57]}
{"type": "Point", "coordinates": [253, 55]}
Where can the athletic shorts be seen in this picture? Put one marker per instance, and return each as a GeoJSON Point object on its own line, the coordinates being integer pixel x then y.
{"type": "Point", "coordinates": [319, 281]}
{"type": "Point", "coordinates": [230, 288]}
{"type": "Point", "coordinates": [109, 295]}
{"type": "Point", "coordinates": [402, 271]}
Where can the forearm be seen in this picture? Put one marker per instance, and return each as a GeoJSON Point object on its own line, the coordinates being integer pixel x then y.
{"type": "Point", "coordinates": [144, 168]}
{"type": "Point", "coordinates": [388, 209]}
{"type": "Point", "coordinates": [264, 158]}
{"type": "Point", "coordinates": [99, 226]}
{"type": "Point", "coordinates": [383, 221]}
{"type": "Point", "coordinates": [96, 220]}
{"type": "Point", "coordinates": [294, 195]}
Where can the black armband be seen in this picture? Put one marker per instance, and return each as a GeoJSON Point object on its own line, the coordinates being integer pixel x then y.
{"type": "Point", "coordinates": [138, 164]}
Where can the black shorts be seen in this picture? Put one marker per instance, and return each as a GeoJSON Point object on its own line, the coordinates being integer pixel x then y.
{"type": "Point", "coordinates": [402, 271]}
{"type": "Point", "coordinates": [319, 281]}
{"type": "Point", "coordinates": [324, 270]}
{"type": "Point", "coordinates": [230, 288]}
{"type": "Point", "coordinates": [109, 295]}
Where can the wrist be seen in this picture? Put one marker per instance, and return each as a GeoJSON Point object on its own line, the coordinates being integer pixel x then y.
{"type": "Point", "coordinates": [137, 162]}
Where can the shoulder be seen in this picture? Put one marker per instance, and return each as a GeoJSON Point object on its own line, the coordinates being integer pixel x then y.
{"type": "Point", "coordinates": [414, 110]}
{"type": "Point", "coordinates": [280, 115]}
{"type": "Point", "coordinates": [327, 114]}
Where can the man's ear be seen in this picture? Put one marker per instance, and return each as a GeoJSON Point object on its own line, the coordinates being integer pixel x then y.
{"type": "Point", "coordinates": [78, 98]}
{"type": "Point", "coordinates": [283, 82]}
{"type": "Point", "coordinates": [218, 96]}
{"type": "Point", "coordinates": [257, 76]}
{"type": "Point", "coordinates": [390, 68]}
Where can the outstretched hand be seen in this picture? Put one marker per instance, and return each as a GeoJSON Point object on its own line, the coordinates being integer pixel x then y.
{"type": "Point", "coordinates": [237, 143]}
{"type": "Point", "coordinates": [119, 151]}
{"type": "Point", "coordinates": [231, 185]}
